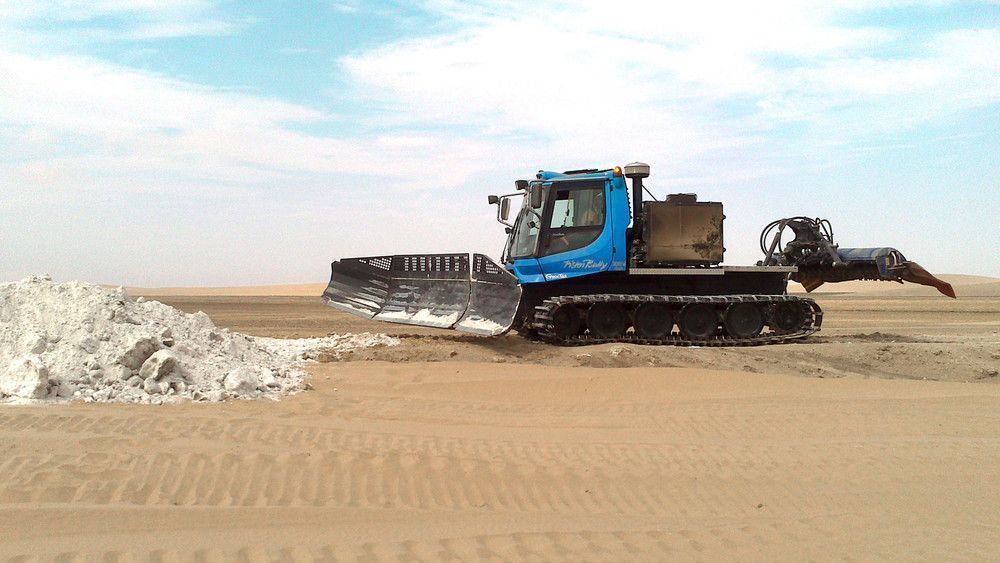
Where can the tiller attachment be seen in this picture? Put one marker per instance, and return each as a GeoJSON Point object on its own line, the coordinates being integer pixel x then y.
{"type": "Point", "coordinates": [819, 260]}
{"type": "Point", "coordinates": [436, 290]}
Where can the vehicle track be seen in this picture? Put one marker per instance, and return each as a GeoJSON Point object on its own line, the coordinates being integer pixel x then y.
{"type": "Point", "coordinates": [545, 315]}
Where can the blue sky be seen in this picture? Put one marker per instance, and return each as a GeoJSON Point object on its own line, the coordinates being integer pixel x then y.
{"type": "Point", "coordinates": [202, 142]}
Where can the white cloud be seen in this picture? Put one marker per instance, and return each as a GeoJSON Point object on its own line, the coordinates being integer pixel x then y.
{"type": "Point", "coordinates": [345, 7]}
{"type": "Point", "coordinates": [608, 83]}
{"type": "Point", "coordinates": [677, 78]}
{"type": "Point", "coordinates": [83, 10]}
{"type": "Point", "coordinates": [135, 20]}
{"type": "Point", "coordinates": [865, 96]}
{"type": "Point", "coordinates": [162, 30]}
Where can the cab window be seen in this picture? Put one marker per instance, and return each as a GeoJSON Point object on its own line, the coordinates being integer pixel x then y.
{"type": "Point", "coordinates": [577, 218]}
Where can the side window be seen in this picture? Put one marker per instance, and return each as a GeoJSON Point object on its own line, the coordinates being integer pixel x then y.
{"type": "Point", "coordinates": [577, 219]}
{"type": "Point", "coordinates": [525, 235]}
{"type": "Point", "coordinates": [562, 210]}
{"type": "Point", "coordinates": [590, 208]}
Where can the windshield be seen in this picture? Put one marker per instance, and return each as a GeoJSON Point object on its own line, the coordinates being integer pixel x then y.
{"type": "Point", "coordinates": [525, 233]}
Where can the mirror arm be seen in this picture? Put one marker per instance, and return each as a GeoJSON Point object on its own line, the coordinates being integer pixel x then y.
{"type": "Point", "coordinates": [500, 220]}
{"type": "Point", "coordinates": [496, 200]}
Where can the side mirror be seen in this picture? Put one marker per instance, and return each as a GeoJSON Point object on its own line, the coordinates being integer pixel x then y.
{"type": "Point", "coordinates": [494, 200]}
{"type": "Point", "coordinates": [521, 184]}
{"type": "Point", "coordinates": [535, 196]}
{"type": "Point", "coordinates": [504, 208]}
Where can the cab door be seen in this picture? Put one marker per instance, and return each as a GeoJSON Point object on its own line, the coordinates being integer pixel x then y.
{"type": "Point", "coordinates": [575, 239]}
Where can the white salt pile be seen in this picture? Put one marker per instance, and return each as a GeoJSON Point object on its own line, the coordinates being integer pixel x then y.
{"type": "Point", "coordinates": [61, 341]}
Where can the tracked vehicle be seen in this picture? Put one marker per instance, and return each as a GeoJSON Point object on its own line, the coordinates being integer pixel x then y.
{"type": "Point", "coordinates": [589, 261]}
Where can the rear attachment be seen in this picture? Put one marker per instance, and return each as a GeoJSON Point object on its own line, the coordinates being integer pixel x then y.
{"type": "Point", "coordinates": [435, 290]}
{"type": "Point", "coordinates": [819, 260]}
{"type": "Point", "coordinates": [887, 264]}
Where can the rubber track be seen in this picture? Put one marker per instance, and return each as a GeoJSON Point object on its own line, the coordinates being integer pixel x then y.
{"type": "Point", "coordinates": [542, 319]}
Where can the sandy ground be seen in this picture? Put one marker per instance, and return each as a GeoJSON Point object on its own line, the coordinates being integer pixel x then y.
{"type": "Point", "coordinates": [463, 448]}
{"type": "Point", "coordinates": [922, 337]}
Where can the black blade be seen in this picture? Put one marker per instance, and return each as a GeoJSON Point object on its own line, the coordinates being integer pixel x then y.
{"type": "Point", "coordinates": [495, 295]}
{"type": "Point", "coordinates": [427, 290]}
{"type": "Point", "coordinates": [359, 285]}
{"type": "Point", "coordinates": [437, 290]}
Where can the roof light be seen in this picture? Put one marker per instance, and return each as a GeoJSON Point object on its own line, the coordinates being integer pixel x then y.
{"type": "Point", "coordinates": [617, 171]}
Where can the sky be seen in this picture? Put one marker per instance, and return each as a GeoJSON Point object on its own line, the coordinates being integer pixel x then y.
{"type": "Point", "coordinates": [201, 142]}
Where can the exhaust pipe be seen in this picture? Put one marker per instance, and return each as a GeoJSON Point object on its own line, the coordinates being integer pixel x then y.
{"type": "Point", "coordinates": [636, 171]}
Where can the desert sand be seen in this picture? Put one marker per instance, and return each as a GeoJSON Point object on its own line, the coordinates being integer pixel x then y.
{"type": "Point", "coordinates": [876, 439]}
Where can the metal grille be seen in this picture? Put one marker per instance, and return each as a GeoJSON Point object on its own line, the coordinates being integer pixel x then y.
{"type": "Point", "coordinates": [380, 262]}
{"type": "Point", "coordinates": [481, 264]}
{"type": "Point", "coordinates": [458, 263]}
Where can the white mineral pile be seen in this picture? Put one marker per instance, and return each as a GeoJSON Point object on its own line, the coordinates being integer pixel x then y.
{"type": "Point", "coordinates": [62, 341]}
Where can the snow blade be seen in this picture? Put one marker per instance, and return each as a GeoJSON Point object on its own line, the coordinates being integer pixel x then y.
{"type": "Point", "coordinates": [436, 290]}
{"type": "Point", "coordinates": [494, 295]}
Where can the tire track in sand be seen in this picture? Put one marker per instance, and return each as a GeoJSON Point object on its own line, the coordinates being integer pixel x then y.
{"type": "Point", "coordinates": [454, 476]}
{"type": "Point", "coordinates": [729, 540]}
{"type": "Point", "coordinates": [286, 465]}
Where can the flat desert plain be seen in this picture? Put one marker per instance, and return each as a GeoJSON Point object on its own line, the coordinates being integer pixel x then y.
{"type": "Point", "coordinates": [879, 438]}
